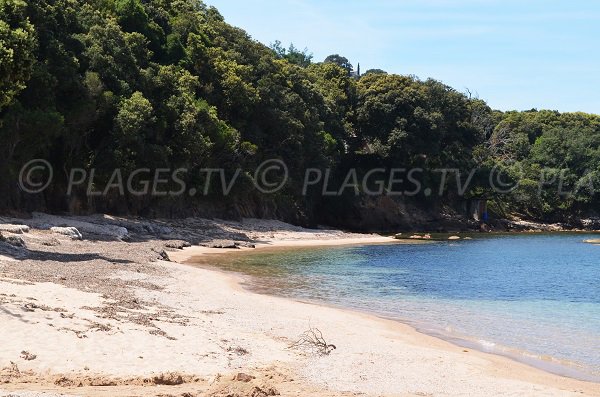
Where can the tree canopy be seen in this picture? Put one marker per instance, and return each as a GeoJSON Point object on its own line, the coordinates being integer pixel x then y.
{"type": "Point", "coordinates": [341, 61]}
{"type": "Point", "coordinates": [166, 84]}
{"type": "Point", "coordinates": [17, 43]}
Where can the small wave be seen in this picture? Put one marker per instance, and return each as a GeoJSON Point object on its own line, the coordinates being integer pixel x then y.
{"type": "Point", "coordinates": [487, 344]}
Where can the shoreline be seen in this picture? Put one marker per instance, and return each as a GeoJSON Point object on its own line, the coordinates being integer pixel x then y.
{"type": "Point", "coordinates": [503, 366]}
{"type": "Point", "coordinates": [108, 315]}
{"type": "Point", "coordinates": [200, 257]}
{"type": "Point", "coordinates": [187, 254]}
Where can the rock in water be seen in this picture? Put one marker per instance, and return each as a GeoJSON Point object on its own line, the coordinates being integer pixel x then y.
{"type": "Point", "coordinates": [593, 241]}
{"type": "Point", "coordinates": [71, 232]}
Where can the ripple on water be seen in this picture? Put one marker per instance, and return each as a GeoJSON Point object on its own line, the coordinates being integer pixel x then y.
{"type": "Point", "coordinates": [532, 297]}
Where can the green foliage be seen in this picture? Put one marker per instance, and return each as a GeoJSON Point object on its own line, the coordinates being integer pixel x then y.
{"type": "Point", "coordinates": [131, 15]}
{"type": "Point", "coordinates": [292, 54]}
{"type": "Point", "coordinates": [168, 84]}
{"type": "Point", "coordinates": [415, 123]}
{"type": "Point", "coordinates": [17, 43]}
{"type": "Point", "coordinates": [339, 92]}
{"type": "Point", "coordinates": [341, 61]}
{"type": "Point", "coordinates": [557, 157]}
{"type": "Point", "coordinates": [375, 71]}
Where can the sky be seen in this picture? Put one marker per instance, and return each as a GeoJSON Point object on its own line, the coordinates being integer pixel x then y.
{"type": "Point", "coordinates": [515, 54]}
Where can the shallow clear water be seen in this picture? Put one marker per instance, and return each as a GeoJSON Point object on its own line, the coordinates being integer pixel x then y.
{"type": "Point", "coordinates": [533, 297]}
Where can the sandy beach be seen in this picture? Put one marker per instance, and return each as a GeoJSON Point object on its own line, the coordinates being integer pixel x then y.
{"type": "Point", "coordinates": [120, 311]}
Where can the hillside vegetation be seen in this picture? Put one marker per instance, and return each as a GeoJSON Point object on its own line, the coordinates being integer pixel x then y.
{"type": "Point", "coordinates": [129, 84]}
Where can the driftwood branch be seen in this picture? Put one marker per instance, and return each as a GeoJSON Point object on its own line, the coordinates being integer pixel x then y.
{"type": "Point", "coordinates": [313, 339]}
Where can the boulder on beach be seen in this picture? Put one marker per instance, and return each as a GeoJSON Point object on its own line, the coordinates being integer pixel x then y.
{"type": "Point", "coordinates": [162, 254]}
{"type": "Point", "coordinates": [12, 242]}
{"type": "Point", "coordinates": [222, 244]}
{"type": "Point", "coordinates": [14, 229]}
{"type": "Point", "coordinates": [177, 244]}
{"type": "Point", "coordinates": [97, 226]}
{"type": "Point", "coordinates": [15, 241]}
{"type": "Point", "coordinates": [71, 232]}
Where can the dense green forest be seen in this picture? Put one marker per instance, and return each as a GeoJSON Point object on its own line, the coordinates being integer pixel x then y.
{"type": "Point", "coordinates": [131, 84]}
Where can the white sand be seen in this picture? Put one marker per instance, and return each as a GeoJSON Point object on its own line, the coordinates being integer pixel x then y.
{"type": "Point", "coordinates": [195, 253]}
{"type": "Point", "coordinates": [232, 330]}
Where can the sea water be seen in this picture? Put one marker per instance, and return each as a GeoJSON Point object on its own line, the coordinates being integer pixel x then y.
{"type": "Point", "coordinates": [535, 298]}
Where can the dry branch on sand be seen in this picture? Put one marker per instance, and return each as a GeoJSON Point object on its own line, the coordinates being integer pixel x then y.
{"type": "Point", "coordinates": [313, 339]}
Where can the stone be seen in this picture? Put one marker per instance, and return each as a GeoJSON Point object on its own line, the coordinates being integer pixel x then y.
{"type": "Point", "coordinates": [224, 244]}
{"type": "Point", "coordinates": [246, 245]}
{"type": "Point", "coordinates": [15, 229]}
{"type": "Point", "coordinates": [71, 232]}
{"type": "Point", "coordinates": [242, 377]}
{"type": "Point", "coordinates": [15, 241]}
{"type": "Point", "coordinates": [454, 238]}
{"type": "Point", "coordinates": [162, 254]}
{"type": "Point", "coordinates": [266, 392]}
{"type": "Point", "coordinates": [169, 379]}
{"type": "Point", "coordinates": [177, 244]}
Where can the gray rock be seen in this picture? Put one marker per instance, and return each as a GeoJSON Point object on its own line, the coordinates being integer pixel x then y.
{"type": "Point", "coordinates": [71, 232]}
{"type": "Point", "coordinates": [92, 225]}
{"type": "Point", "coordinates": [157, 229]}
{"type": "Point", "coordinates": [246, 245]}
{"type": "Point", "coordinates": [592, 223]}
{"type": "Point", "coordinates": [15, 229]}
{"type": "Point", "coordinates": [15, 241]}
{"type": "Point", "coordinates": [162, 254]}
{"type": "Point", "coordinates": [177, 244]}
{"type": "Point", "coordinates": [222, 244]}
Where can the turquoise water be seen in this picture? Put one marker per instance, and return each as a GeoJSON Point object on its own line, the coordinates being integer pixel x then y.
{"type": "Point", "coordinates": [535, 298]}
